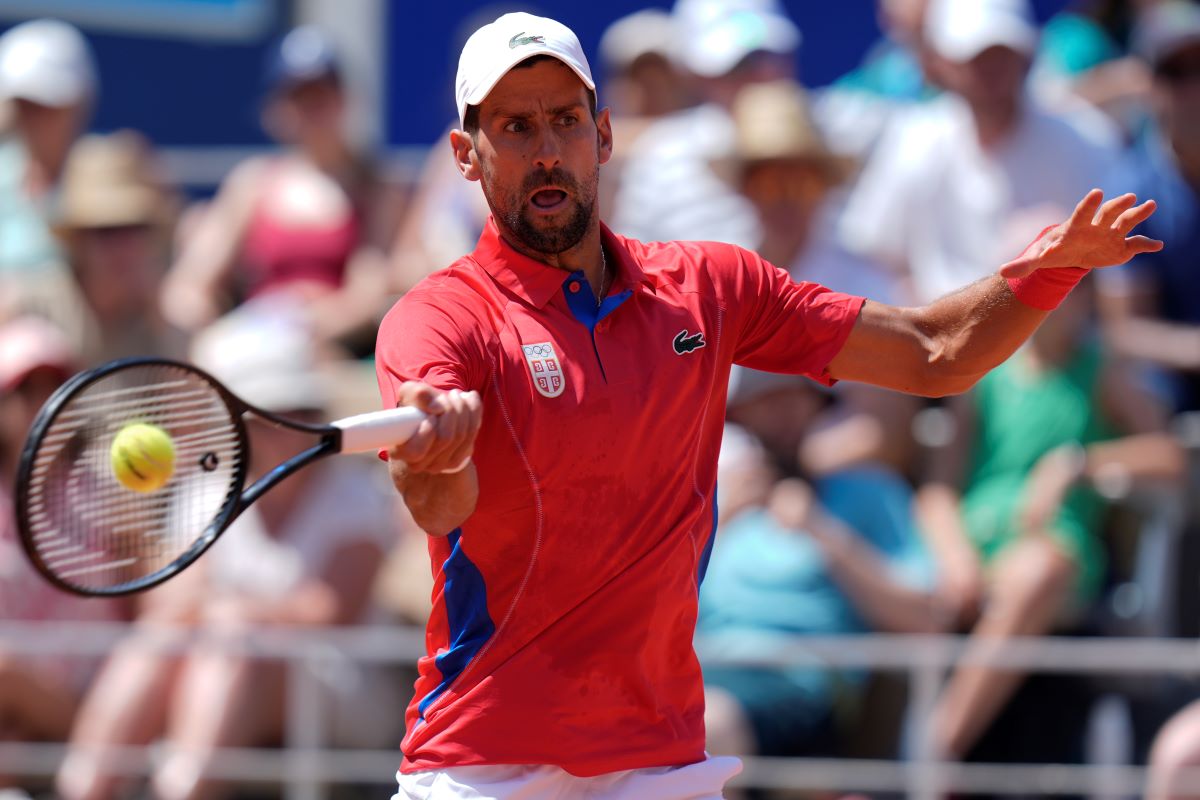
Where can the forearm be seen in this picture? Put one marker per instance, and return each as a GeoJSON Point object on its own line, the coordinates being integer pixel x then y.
{"type": "Point", "coordinates": [1167, 344]}
{"type": "Point", "coordinates": [937, 507]}
{"type": "Point", "coordinates": [439, 503]}
{"type": "Point", "coordinates": [939, 349]}
{"type": "Point", "coordinates": [1149, 456]}
{"type": "Point", "coordinates": [887, 604]}
{"type": "Point", "coordinates": [973, 331]}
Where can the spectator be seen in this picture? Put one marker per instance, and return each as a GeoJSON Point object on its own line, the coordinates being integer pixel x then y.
{"type": "Point", "coordinates": [298, 223]}
{"type": "Point", "coordinates": [1018, 547]}
{"type": "Point", "coordinates": [855, 110]}
{"type": "Point", "coordinates": [850, 562]}
{"type": "Point", "coordinates": [933, 200]}
{"type": "Point", "coordinates": [39, 695]}
{"type": "Point", "coordinates": [642, 80]}
{"type": "Point", "coordinates": [1084, 57]}
{"type": "Point", "coordinates": [115, 219]}
{"type": "Point", "coordinates": [305, 555]}
{"type": "Point", "coordinates": [787, 171]}
{"type": "Point", "coordinates": [1174, 754]}
{"type": "Point", "coordinates": [48, 82]}
{"type": "Point", "coordinates": [668, 188]}
{"type": "Point", "coordinates": [1152, 307]}
{"type": "Point", "coordinates": [643, 85]}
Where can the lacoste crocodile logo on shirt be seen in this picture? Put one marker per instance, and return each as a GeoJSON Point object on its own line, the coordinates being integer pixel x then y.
{"type": "Point", "coordinates": [685, 343]}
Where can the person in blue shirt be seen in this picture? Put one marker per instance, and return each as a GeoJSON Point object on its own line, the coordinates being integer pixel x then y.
{"type": "Point", "coordinates": [1152, 306]}
{"type": "Point", "coordinates": [839, 556]}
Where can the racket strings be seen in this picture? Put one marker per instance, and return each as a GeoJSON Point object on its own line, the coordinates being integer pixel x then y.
{"type": "Point", "coordinates": [95, 533]}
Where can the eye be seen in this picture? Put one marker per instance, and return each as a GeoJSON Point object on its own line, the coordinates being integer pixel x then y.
{"type": "Point", "coordinates": [517, 126]}
{"type": "Point", "coordinates": [568, 120]}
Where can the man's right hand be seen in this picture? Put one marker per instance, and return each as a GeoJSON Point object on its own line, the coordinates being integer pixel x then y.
{"type": "Point", "coordinates": [443, 442]}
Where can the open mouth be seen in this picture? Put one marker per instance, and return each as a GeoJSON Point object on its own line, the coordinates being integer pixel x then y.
{"type": "Point", "coordinates": [548, 199]}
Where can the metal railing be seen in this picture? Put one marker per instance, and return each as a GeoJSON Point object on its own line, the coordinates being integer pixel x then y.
{"type": "Point", "coordinates": [305, 766]}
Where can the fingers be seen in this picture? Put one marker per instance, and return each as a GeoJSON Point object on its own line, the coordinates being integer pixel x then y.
{"type": "Point", "coordinates": [421, 395]}
{"type": "Point", "coordinates": [1085, 212]}
{"type": "Point", "coordinates": [446, 439]}
{"type": "Point", "coordinates": [1133, 217]}
{"type": "Point", "coordinates": [1113, 209]}
{"type": "Point", "coordinates": [1136, 245]}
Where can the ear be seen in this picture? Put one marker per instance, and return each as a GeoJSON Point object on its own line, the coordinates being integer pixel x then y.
{"type": "Point", "coordinates": [604, 135]}
{"type": "Point", "coordinates": [465, 157]}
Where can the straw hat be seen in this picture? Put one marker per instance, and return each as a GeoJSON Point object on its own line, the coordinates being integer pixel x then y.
{"type": "Point", "coordinates": [773, 123]}
{"type": "Point", "coordinates": [110, 181]}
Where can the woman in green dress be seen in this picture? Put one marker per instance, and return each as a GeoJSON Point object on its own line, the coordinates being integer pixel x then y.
{"type": "Point", "coordinates": [1018, 542]}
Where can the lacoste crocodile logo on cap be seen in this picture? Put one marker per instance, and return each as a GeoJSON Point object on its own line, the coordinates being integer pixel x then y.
{"type": "Point", "coordinates": [522, 39]}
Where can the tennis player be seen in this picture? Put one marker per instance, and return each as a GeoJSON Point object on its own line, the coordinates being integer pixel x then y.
{"type": "Point", "coordinates": [567, 476]}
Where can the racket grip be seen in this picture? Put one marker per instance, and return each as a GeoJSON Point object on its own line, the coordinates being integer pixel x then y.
{"type": "Point", "coordinates": [378, 429]}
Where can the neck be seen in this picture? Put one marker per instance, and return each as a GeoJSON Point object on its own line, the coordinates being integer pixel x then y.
{"type": "Point", "coordinates": [994, 124]}
{"type": "Point", "coordinates": [782, 246]}
{"type": "Point", "coordinates": [328, 155]}
{"type": "Point", "coordinates": [587, 255]}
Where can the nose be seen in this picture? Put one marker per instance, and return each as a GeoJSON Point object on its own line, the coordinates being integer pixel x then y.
{"type": "Point", "coordinates": [548, 152]}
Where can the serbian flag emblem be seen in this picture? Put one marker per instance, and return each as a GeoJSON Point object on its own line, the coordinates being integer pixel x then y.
{"type": "Point", "coordinates": [545, 368]}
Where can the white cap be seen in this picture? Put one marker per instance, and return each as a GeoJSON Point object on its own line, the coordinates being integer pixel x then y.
{"type": "Point", "coordinates": [715, 35]}
{"type": "Point", "coordinates": [47, 62]}
{"type": "Point", "coordinates": [499, 46]}
{"type": "Point", "coordinates": [959, 30]}
{"type": "Point", "coordinates": [650, 30]}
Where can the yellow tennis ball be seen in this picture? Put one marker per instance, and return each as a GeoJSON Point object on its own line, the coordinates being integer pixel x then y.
{"type": "Point", "coordinates": [143, 457]}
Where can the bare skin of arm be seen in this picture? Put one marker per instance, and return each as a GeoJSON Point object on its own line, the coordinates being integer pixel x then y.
{"type": "Point", "coordinates": [192, 289]}
{"type": "Point", "coordinates": [1134, 330]}
{"type": "Point", "coordinates": [945, 347]}
{"type": "Point", "coordinates": [960, 571]}
{"type": "Point", "coordinates": [887, 604]}
{"type": "Point", "coordinates": [439, 500]}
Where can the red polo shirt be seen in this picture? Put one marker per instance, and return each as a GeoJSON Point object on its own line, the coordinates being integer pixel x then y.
{"type": "Point", "coordinates": [564, 608]}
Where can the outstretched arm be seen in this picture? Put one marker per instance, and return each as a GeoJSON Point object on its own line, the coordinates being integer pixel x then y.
{"type": "Point", "coordinates": [945, 347]}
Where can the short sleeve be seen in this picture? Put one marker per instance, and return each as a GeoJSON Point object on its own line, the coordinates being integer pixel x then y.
{"type": "Point", "coordinates": [428, 336]}
{"type": "Point", "coordinates": [781, 325]}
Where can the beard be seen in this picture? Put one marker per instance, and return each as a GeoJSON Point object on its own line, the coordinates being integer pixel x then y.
{"type": "Point", "coordinates": [517, 219]}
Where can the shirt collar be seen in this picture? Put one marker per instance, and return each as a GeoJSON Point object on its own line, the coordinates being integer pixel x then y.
{"type": "Point", "coordinates": [537, 282]}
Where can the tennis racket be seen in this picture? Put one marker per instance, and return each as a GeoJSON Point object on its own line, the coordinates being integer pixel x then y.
{"type": "Point", "coordinates": [89, 534]}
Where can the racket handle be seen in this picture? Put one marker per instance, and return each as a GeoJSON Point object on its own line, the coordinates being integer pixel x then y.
{"type": "Point", "coordinates": [378, 429]}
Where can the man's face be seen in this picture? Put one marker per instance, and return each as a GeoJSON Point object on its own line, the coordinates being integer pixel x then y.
{"type": "Point", "coordinates": [538, 154]}
{"type": "Point", "coordinates": [994, 79]}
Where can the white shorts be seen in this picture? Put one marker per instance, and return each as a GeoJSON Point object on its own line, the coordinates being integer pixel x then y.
{"type": "Point", "coordinates": [703, 780]}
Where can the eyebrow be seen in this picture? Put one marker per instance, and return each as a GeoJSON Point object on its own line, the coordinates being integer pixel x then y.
{"type": "Point", "coordinates": [554, 112]}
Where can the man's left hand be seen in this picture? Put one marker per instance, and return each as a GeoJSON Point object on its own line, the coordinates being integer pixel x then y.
{"type": "Point", "coordinates": [1096, 235]}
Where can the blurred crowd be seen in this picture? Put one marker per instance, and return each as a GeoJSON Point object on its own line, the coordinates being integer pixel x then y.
{"type": "Point", "coordinates": [1053, 499]}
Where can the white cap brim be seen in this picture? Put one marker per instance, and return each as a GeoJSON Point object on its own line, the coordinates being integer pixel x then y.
{"type": "Point", "coordinates": [1012, 34]}
{"type": "Point", "coordinates": [484, 88]}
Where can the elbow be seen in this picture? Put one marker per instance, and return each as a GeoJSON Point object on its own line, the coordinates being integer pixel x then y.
{"type": "Point", "coordinates": [951, 385]}
{"type": "Point", "coordinates": [947, 371]}
{"type": "Point", "coordinates": [941, 379]}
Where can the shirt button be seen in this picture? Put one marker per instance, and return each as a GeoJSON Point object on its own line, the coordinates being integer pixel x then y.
{"type": "Point", "coordinates": [573, 287]}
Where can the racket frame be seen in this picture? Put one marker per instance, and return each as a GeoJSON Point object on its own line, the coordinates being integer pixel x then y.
{"type": "Point", "coordinates": [238, 496]}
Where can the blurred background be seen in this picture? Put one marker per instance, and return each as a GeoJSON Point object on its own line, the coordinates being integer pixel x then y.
{"type": "Point", "coordinates": [1001, 588]}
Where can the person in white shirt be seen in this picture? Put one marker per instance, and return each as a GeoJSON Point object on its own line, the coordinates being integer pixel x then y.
{"type": "Point", "coordinates": [668, 188]}
{"type": "Point", "coordinates": [938, 197]}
